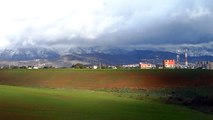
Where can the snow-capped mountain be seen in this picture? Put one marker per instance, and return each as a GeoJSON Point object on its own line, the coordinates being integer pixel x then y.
{"type": "Point", "coordinates": [192, 51]}
{"type": "Point", "coordinates": [116, 55]}
{"type": "Point", "coordinates": [104, 50]}
{"type": "Point", "coordinates": [28, 54]}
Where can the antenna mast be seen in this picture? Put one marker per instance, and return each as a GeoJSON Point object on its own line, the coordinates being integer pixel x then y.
{"type": "Point", "coordinates": [178, 57]}
{"type": "Point", "coordinates": [186, 57]}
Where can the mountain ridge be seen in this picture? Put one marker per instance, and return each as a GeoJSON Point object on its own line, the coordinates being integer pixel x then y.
{"type": "Point", "coordinates": [94, 55]}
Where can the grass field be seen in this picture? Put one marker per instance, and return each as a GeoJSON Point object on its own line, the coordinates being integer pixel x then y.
{"type": "Point", "coordinates": [48, 104]}
{"type": "Point", "coordinates": [66, 94]}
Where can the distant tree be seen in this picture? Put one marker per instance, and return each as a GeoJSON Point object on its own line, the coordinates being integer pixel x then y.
{"type": "Point", "coordinates": [103, 67]}
{"type": "Point", "coordinates": [5, 67]}
{"type": "Point", "coordinates": [14, 67]}
{"type": "Point", "coordinates": [78, 66]}
{"type": "Point", "coordinates": [23, 67]}
{"type": "Point", "coordinates": [47, 67]}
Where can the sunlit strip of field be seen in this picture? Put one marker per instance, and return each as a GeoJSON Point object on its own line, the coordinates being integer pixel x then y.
{"type": "Point", "coordinates": [42, 103]}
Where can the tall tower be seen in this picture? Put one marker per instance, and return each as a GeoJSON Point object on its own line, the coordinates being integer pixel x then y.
{"type": "Point", "coordinates": [186, 57]}
{"type": "Point", "coordinates": [178, 57]}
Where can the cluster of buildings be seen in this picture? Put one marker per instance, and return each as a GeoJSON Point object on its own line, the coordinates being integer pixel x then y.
{"type": "Point", "coordinates": [172, 64]}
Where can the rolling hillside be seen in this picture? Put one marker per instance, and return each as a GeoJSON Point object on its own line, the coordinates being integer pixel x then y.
{"type": "Point", "coordinates": [48, 104]}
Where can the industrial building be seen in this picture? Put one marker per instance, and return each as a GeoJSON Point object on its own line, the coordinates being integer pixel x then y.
{"type": "Point", "coordinates": [211, 65]}
{"type": "Point", "coordinates": [204, 65]}
{"type": "Point", "coordinates": [169, 64]}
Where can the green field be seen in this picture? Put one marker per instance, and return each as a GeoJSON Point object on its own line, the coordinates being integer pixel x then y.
{"type": "Point", "coordinates": [40, 103]}
{"type": "Point", "coordinates": [66, 94]}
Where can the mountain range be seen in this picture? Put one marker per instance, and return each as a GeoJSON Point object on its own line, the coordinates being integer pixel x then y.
{"type": "Point", "coordinates": [94, 55]}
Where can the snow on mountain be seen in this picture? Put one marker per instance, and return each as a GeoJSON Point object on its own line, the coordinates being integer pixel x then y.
{"type": "Point", "coordinates": [28, 54]}
{"type": "Point", "coordinates": [97, 49]}
{"type": "Point", "coordinates": [192, 50]}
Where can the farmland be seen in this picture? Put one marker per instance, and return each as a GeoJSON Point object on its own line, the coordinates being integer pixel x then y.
{"type": "Point", "coordinates": [93, 79]}
{"type": "Point", "coordinates": [103, 94]}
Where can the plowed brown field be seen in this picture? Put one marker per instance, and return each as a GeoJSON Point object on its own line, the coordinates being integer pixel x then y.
{"type": "Point", "coordinates": [94, 79]}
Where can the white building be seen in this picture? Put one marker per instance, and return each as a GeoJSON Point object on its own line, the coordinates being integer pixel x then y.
{"type": "Point", "coordinates": [35, 67]}
{"type": "Point", "coordinates": [147, 66]}
{"type": "Point", "coordinates": [95, 67]}
{"type": "Point", "coordinates": [130, 66]}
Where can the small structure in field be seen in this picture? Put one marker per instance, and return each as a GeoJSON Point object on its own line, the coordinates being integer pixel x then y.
{"type": "Point", "coordinates": [112, 67]}
{"type": "Point", "coordinates": [95, 67]}
{"type": "Point", "coordinates": [29, 68]}
{"type": "Point", "coordinates": [35, 68]}
{"type": "Point", "coordinates": [169, 64]}
{"type": "Point", "coordinates": [147, 65]}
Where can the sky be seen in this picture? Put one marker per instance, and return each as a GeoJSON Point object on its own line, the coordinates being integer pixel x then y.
{"type": "Point", "coordinates": [71, 23]}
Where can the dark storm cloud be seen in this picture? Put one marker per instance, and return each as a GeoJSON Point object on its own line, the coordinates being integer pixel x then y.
{"type": "Point", "coordinates": [187, 23]}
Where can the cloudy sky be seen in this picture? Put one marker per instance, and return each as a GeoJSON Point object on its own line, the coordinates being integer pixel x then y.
{"type": "Point", "coordinates": [68, 23]}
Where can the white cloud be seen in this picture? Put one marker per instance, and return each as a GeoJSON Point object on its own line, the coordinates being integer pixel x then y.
{"type": "Point", "coordinates": [199, 12]}
{"type": "Point", "coordinates": [4, 43]}
{"type": "Point", "coordinates": [83, 22]}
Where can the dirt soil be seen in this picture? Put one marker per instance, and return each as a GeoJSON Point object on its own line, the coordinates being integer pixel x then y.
{"type": "Point", "coordinates": [93, 79]}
